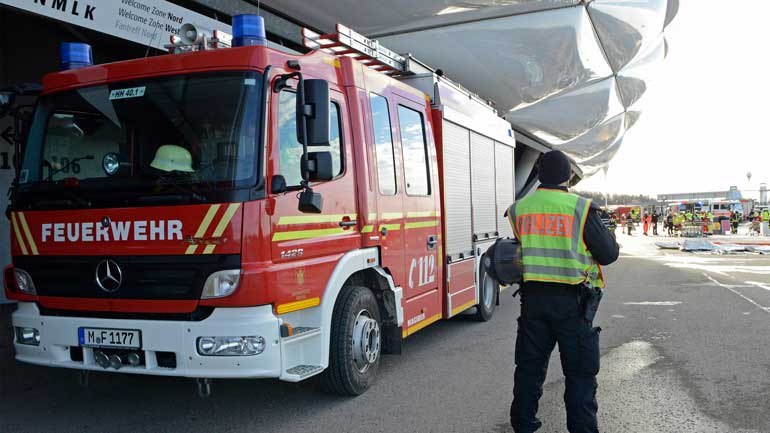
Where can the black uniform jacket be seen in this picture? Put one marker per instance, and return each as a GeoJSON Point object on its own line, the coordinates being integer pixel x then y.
{"type": "Point", "coordinates": [598, 239]}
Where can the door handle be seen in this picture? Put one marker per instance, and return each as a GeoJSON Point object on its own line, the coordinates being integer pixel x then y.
{"type": "Point", "coordinates": [347, 223]}
{"type": "Point", "coordinates": [432, 241]}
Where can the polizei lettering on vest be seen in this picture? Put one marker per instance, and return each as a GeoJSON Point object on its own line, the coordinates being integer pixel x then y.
{"type": "Point", "coordinates": [143, 230]}
{"type": "Point", "coordinates": [545, 225]}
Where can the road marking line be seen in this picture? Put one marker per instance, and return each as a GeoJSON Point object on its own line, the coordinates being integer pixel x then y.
{"type": "Point", "coordinates": [760, 285]}
{"type": "Point", "coordinates": [753, 302]}
{"type": "Point", "coordinates": [661, 303]}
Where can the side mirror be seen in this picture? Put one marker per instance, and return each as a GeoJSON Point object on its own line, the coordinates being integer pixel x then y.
{"type": "Point", "coordinates": [318, 166]}
{"type": "Point", "coordinates": [310, 202]}
{"type": "Point", "coordinates": [7, 99]}
{"type": "Point", "coordinates": [313, 105]}
{"type": "Point", "coordinates": [278, 184]}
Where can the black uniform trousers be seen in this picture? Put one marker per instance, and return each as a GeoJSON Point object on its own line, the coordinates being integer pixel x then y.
{"type": "Point", "coordinates": [549, 317]}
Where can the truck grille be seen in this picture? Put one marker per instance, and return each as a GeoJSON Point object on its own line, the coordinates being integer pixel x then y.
{"type": "Point", "coordinates": [143, 277]}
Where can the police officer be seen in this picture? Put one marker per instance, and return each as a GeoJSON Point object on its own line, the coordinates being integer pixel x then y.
{"type": "Point", "coordinates": [563, 245]}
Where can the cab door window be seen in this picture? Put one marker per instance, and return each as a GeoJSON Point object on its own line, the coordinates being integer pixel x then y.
{"type": "Point", "coordinates": [290, 149]}
{"type": "Point", "coordinates": [383, 141]}
{"type": "Point", "coordinates": [415, 150]}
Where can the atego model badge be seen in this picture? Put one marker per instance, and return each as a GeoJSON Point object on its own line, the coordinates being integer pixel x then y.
{"type": "Point", "coordinates": [109, 276]}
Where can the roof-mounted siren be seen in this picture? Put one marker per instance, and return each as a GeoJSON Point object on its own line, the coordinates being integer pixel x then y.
{"type": "Point", "coordinates": [249, 30]}
{"type": "Point", "coordinates": [75, 55]}
{"type": "Point", "coordinates": [349, 43]}
{"type": "Point", "coordinates": [191, 38]}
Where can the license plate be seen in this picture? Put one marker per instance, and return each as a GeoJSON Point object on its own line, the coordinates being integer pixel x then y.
{"type": "Point", "coordinates": [104, 337]}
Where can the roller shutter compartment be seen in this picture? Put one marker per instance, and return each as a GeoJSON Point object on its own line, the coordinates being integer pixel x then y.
{"type": "Point", "coordinates": [457, 189]}
{"type": "Point", "coordinates": [483, 186]}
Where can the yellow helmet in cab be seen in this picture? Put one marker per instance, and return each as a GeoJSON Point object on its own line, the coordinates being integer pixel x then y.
{"type": "Point", "coordinates": [171, 157]}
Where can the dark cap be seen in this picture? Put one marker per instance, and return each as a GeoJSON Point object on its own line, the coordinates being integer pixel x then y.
{"type": "Point", "coordinates": [555, 168]}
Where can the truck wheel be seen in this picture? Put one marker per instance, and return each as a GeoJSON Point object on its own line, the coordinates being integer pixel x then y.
{"type": "Point", "coordinates": [354, 349]}
{"type": "Point", "coordinates": [488, 291]}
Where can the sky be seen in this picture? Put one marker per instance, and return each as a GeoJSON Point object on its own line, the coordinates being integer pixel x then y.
{"type": "Point", "coordinates": [706, 119]}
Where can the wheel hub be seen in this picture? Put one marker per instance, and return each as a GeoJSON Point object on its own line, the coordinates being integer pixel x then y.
{"type": "Point", "coordinates": [366, 341]}
{"type": "Point", "coordinates": [489, 291]}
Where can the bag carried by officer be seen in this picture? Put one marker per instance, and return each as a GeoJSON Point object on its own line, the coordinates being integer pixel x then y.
{"type": "Point", "coordinates": [503, 261]}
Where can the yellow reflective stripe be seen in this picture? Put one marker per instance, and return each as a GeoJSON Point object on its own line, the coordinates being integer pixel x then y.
{"type": "Point", "coordinates": [312, 219]}
{"type": "Point", "coordinates": [223, 223]}
{"type": "Point", "coordinates": [306, 234]}
{"type": "Point", "coordinates": [463, 307]}
{"type": "Point", "coordinates": [423, 214]}
{"type": "Point", "coordinates": [298, 305]}
{"type": "Point", "coordinates": [367, 229]}
{"type": "Point", "coordinates": [421, 224]}
{"type": "Point", "coordinates": [414, 328]}
{"type": "Point", "coordinates": [390, 226]}
{"type": "Point", "coordinates": [30, 239]}
{"type": "Point", "coordinates": [203, 227]}
{"type": "Point", "coordinates": [19, 239]}
{"type": "Point", "coordinates": [392, 215]}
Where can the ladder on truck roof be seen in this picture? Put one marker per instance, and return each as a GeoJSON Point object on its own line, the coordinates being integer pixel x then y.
{"type": "Point", "coordinates": [348, 42]}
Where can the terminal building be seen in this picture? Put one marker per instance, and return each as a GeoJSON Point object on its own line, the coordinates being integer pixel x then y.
{"type": "Point", "coordinates": [566, 74]}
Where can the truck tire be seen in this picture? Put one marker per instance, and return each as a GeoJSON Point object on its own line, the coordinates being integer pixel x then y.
{"type": "Point", "coordinates": [356, 342]}
{"type": "Point", "coordinates": [489, 290]}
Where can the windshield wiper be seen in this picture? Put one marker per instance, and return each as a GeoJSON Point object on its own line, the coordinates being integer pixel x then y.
{"type": "Point", "coordinates": [164, 180]}
{"type": "Point", "coordinates": [67, 165]}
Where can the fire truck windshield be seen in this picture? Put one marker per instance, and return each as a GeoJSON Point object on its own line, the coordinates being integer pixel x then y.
{"type": "Point", "coordinates": [196, 132]}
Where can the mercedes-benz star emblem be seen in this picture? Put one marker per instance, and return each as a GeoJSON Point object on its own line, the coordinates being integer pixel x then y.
{"type": "Point", "coordinates": [109, 276]}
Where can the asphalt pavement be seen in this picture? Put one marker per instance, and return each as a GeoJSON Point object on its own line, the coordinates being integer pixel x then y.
{"type": "Point", "coordinates": [684, 349]}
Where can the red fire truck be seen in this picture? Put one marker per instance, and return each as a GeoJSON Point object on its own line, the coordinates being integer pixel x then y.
{"type": "Point", "coordinates": [246, 212]}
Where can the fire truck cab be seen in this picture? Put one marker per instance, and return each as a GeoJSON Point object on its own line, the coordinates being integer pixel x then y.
{"type": "Point", "coordinates": [250, 213]}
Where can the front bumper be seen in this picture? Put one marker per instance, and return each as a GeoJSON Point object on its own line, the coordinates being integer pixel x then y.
{"type": "Point", "coordinates": [59, 334]}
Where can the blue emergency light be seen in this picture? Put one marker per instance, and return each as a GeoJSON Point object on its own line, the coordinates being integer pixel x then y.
{"type": "Point", "coordinates": [75, 55]}
{"type": "Point", "coordinates": [248, 30]}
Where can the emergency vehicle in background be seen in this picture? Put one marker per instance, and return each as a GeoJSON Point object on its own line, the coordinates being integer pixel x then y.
{"type": "Point", "coordinates": [634, 211]}
{"type": "Point", "coordinates": [251, 213]}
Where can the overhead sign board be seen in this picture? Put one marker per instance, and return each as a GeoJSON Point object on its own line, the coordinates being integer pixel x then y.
{"type": "Point", "coordinates": [146, 22]}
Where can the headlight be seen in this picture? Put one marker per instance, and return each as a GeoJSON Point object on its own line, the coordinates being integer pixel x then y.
{"type": "Point", "coordinates": [28, 336]}
{"type": "Point", "coordinates": [24, 282]}
{"type": "Point", "coordinates": [221, 284]}
{"type": "Point", "coordinates": [231, 346]}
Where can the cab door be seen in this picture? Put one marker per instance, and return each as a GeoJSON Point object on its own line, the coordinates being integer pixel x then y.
{"type": "Point", "coordinates": [309, 244]}
{"type": "Point", "coordinates": [422, 218]}
{"type": "Point", "coordinates": [388, 231]}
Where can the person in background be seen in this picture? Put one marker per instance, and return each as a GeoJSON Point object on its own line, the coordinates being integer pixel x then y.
{"type": "Point", "coordinates": [613, 224]}
{"type": "Point", "coordinates": [734, 221]}
{"type": "Point", "coordinates": [646, 223]}
{"type": "Point", "coordinates": [670, 223]}
{"type": "Point", "coordinates": [655, 218]}
{"type": "Point", "coordinates": [629, 224]}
